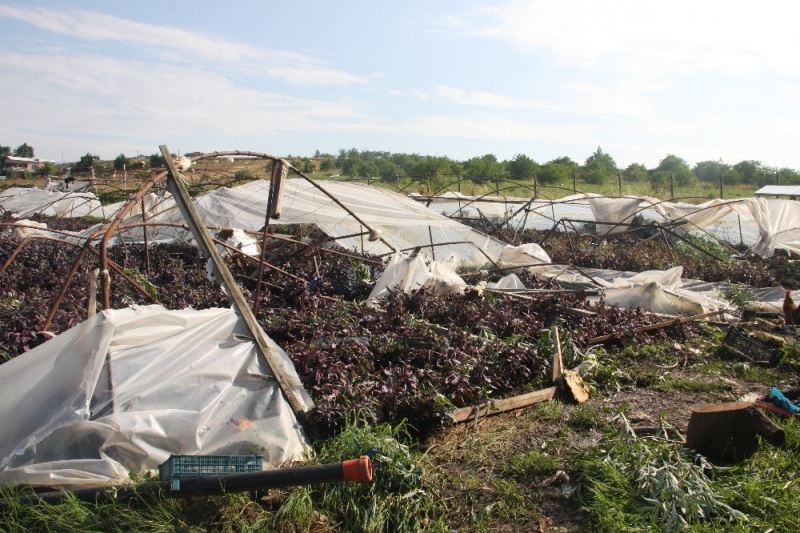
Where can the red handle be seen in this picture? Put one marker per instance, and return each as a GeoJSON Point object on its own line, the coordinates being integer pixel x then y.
{"type": "Point", "coordinates": [358, 469]}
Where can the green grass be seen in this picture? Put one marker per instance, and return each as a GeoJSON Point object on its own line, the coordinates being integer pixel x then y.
{"type": "Point", "coordinates": [402, 498]}
{"type": "Point", "coordinates": [530, 465]}
{"type": "Point", "coordinates": [758, 494]}
{"type": "Point", "coordinates": [689, 385]}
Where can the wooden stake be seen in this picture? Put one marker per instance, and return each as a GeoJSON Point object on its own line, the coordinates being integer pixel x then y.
{"type": "Point", "coordinates": [558, 363]}
{"type": "Point", "coordinates": [92, 310]}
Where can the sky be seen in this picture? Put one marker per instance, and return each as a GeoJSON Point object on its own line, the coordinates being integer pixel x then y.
{"type": "Point", "coordinates": [704, 80]}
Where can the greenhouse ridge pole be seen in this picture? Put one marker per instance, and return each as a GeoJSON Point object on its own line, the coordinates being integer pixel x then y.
{"type": "Point", "coordinates": [206, 244]}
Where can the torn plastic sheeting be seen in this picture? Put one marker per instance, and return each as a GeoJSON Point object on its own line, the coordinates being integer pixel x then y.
{"type": "Point", "coordinates": [659, 291]}
{"type": "Point", "coordinates": [400, 220]}
{"type": "Point", "coordinates": [26, 202]}
{"type": "Point", "coordinates": [523, 255]}
{"type": "Point", "coordinates": [406, 274]}
{"type": "Point", "coordinates": [510, 281]}
{"type": "Point", "coordinates": [123, 390]}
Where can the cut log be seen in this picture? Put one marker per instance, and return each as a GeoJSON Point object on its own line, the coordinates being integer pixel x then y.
{"type": "Point", "coordinates": [725, 432]}
{"type": "Point", "coordinates": [499, 406]}
{"type": "Point", "coordinates": [574, 386]}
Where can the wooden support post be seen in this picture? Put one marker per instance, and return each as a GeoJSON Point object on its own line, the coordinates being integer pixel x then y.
{"type": "Point", "coordinates": [146, 247]}
{"type": "Point", "coordinates": [574, 183]}
{"type": "Point", "coordinates": [558, 363]}
{"type": "Point", "coordinates": [619, 183]}
{"type": "Point", "coordinates": [205, 242]}
{"type": "Point", "coordinates": [92, 308]}
{"type": "Point", "coordinates": [279, 170]}
{"type": "Point", "coordinates": [535, 187]}
{"type": "Point", "coordinates": [721, 180]}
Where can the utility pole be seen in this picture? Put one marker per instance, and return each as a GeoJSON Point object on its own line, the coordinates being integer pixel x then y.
{"type": "Point", "coordinates": [619, 183]}
{"type": "Point", "coordinates": [535, 187]}
{"type": "Point", "coordinates": [721, 186]}
{"type": "Point", "coordinates": [574, 183]}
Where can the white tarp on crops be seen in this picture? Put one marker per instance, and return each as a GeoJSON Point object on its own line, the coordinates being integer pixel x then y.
{"type": "Point", "coordinates": [398, 219]}
{"type": "Point", "coordinates": [123, 390]}
{"type": "Point", "coordinates": [407, 274]}
{"type": "Point", "coordinates": [659, 291]}
{"type": "Point", "coordinates": [26, 202]}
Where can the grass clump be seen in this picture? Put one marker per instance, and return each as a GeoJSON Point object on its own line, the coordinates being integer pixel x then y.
{"type": "Point", "coordinates": [640, 484]}
{"type": "Point", "coordinates": [531, 464]}
{"type": "Point", "coordinates": [651, 484]}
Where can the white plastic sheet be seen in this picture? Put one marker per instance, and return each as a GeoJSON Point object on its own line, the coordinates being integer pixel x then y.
{"type": "Point", "coordinates": [401, 221]}
{"type": "Point", "coordinates": [406, 274]}
{"type": "Point", "coordinates": [24, 203]}
{"type": "Point", "coordinates": [123, 390]}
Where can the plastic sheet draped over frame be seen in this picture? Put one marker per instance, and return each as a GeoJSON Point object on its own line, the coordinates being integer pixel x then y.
{"type": "Point", "coordinates": [123, 390]}
{"type": "Point", "coordinates": [26, 202]}
{"type": "Point", "coordinates": [401, 221]}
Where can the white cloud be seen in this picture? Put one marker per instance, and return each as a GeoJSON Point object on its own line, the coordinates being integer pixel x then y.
{"type": "Point", "coordinates": [102, 103]}
{"type": "Point", "coordinates": [487, 99]}
{"type": "Point", "coordinates": [184, 45]}
{"type": "Point", "coordinates": [646, 38]}
{"type": "Point", "coordinates": [491, 128]}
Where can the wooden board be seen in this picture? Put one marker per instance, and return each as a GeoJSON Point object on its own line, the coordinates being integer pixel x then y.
{"type": "Point", "coordinates": [507, 404]}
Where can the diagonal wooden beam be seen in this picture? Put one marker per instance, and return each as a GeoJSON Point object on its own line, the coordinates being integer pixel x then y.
{"type": "Point", "coordinates": [240, 305]}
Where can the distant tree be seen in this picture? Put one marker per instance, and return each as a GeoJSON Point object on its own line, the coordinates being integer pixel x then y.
{"type": "Point", "coordinates": [5, 150]}
{"type": "Point", "coordinates": [751, 172]}
{"type": "Point", "coordinates": [599, 167]}
{"type": "Point", "coordinates": [482, 168]}
{"type": "Point", "coordinates": [709, 171]}
{"type": "Point", "coordinates": [635, 172]}
{"type": "Point", "coordinates": [121, 161]}
{"type": "Point", "coordinates": [157, 161]}
{"type": "Point", "coordinates": [558, 171]}
{"type": "Point", "coordinates": [23, 150]}
{"type": "Point", "coordinates": [85, 163]}
{"type": "Point", "coordinates": [48, 168]}
{"type": "Point", "coordinates": [317, 154]}
{"type": "Point", "coordinates": [522, 167]}
{"type": "Point", "coordinates": [675, 166]}
{"type": "Point", "coordinates": [327, 164]}
{"type": "Point", "coordinates": [308, 166]}
{"type": "Point", "coordinates": [787, 176]}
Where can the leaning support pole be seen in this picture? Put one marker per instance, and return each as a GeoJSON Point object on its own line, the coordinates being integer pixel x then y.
{"type": "Point", "coordinates": [206, 245]}
{"type": "Point", "coordinates": [279, 170]}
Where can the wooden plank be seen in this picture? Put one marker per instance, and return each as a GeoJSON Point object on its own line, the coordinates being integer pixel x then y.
{"type": "Point", "coordinates": [500, 406]}
{"type": "Point", "coordinates": [206, 245]}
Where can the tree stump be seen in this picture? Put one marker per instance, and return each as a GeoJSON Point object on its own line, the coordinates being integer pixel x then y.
{"type": "Point", "coordinates": [726, 432]}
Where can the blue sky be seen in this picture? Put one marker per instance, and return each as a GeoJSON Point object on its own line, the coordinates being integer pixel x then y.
{"type": "Point", "coordinates": [704, 80]}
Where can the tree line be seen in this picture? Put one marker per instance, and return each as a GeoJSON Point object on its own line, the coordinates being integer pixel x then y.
{"type": "Point", "coordinates": [599, 168]}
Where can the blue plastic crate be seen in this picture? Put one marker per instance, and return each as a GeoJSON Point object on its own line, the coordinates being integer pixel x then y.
{"type": "Point", "coordinates": [179, 467]}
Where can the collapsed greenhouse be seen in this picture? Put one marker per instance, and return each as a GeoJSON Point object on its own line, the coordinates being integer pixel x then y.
{"type": "Point", "coordinates": [277, 306]}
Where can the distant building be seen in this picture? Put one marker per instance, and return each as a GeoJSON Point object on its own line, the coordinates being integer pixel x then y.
{"type": "Point", "coordinates": [23, 164]}
{"type": "Point", "coordinates": [791, 192]}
